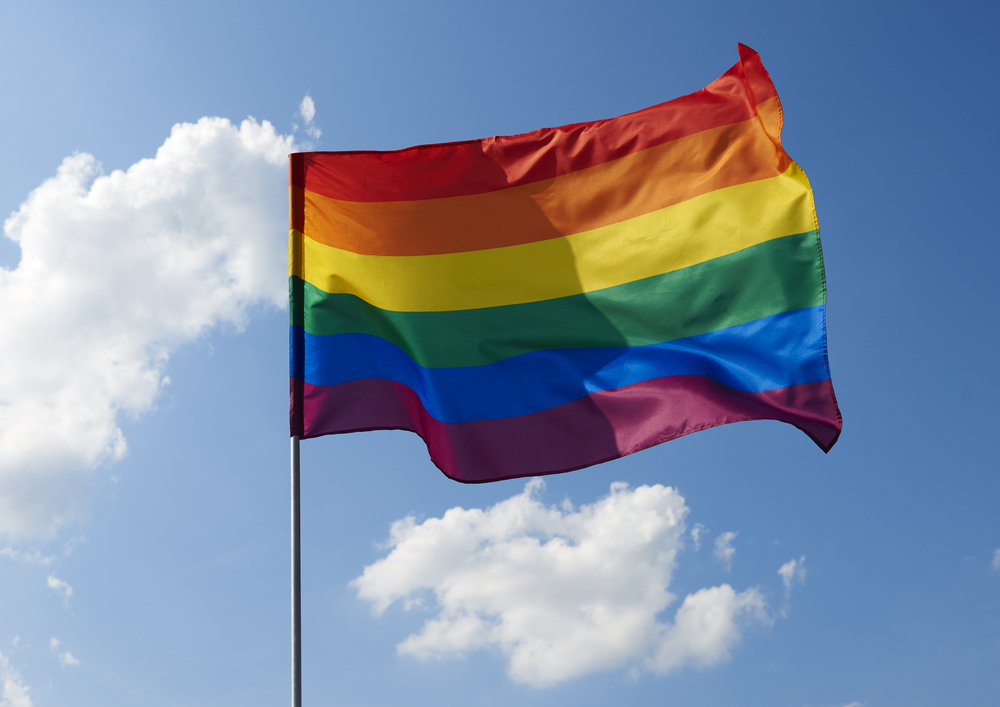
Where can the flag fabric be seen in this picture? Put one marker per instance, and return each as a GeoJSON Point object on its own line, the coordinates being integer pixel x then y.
{"type": "Point", "coordinates": [538, 303]}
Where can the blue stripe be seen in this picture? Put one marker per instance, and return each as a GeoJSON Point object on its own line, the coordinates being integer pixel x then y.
{"type": "Point", "coordinates": [774, 352]}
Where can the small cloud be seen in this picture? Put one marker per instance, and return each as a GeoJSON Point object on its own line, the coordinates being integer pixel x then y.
{"type": "Point", "coordinates": [72, 543]}
{"type": "Point", "coordinates": [696, 532]}
{"type": "Point", "coordinates": [793, 572]}
{"type": "Point", "coordinates": [15, 692]}
{"type": "Point", "coordinates": [307, 109]}
{"type": "Point", "coordinates": [17, 639]}
{"type": "Point", "coordinates": [996, 561]}
{"type": "Point", "coordinates": [724, 550]}
{"type": "Point", "coordinates": [61, 587]}
{"type": "Point", "coordinates": [856, 704]}
{"type": "Point", "coordinates": [65, 658]}
{"type": "Point", "coordinates": [26, 558]}
{"type": "Point", "coordinates": [707, 628]}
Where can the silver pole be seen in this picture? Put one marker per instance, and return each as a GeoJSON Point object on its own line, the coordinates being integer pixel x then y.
{"type": "Point", "coordinates": [296, 582]}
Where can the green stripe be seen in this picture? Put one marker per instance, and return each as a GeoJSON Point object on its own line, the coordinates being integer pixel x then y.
{"type": "Point", "coordinates": [779, 275]}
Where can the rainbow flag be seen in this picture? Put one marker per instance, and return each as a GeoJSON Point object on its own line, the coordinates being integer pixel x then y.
{"type": "Point", "coordinates": [538, 303]}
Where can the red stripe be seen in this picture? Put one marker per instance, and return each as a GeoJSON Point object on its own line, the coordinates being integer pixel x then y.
{"type": "Point", "coordinates": [759, 84]}
{"type": "Point", "coordinates": [594, 429]}
{"type": "Point", "coordinates": [480, 166]}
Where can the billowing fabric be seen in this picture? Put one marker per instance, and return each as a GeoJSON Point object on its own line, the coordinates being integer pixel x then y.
{"type": "Point", "coordinates": [538, 303]}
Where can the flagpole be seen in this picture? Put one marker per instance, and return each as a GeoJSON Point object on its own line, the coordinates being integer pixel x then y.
{"type": "Point", "coordinates": [296, 582]}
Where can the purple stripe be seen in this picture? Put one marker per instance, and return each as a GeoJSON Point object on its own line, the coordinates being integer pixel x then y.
{"type": "Point", "coordinates": [602, 426]}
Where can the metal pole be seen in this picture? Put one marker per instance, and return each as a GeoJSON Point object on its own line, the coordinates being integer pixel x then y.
{"type": "Point", "coordinates": [296, 582]}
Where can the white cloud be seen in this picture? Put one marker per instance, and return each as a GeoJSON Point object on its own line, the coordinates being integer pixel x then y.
{"type": "Point", "coordinates": [560, 591]}
{"type": "Point", "coordinates": [61, 587]}
{"type": "Point", "coordinates": [33, 557]}
{"type": "Point", "coordinates": [793, 572]}
{"type": "Point", "coordinates": [696, 532]}
{"type": "Point", "coordinates": [65, 658]}
{"type": "Point", "coordinates": [705, 629]}
{"type": "Point", "coordinates": [71, 544]}
{"type": "Point", "coordinates": [307, 109]}
{"type": "Point", "coordinates": [15, 692]}
{"type": "Point", "coordinates": [116, 272]}
{"type": "Point", "coordinates": [996, 561]}
{"type": "Point", "coordinates": [724, 550]}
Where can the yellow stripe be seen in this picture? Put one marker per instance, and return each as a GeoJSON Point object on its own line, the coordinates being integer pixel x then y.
{"type": "Point", "coordinates": [700, 229]}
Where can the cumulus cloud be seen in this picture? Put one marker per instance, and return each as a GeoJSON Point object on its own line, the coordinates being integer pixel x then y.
{"type": "Point", "coordinates": [705, 628]}
{"type": "Point", "coordinates": [307, 111]}
{"type": "Point", "coordinates": [116, 272]}
{"type": "Point", "coordinates": [724, 550]}
{"type": "Point", "coordinates": [15, 692]}
{"type": "Point", "coordinates": [54, 643]}
{"type": "Point", "coordinates": [61, 587]}
{"type": "Point", "coordinates": [560, 591]}
{"type": "Point", "coordinates": [68, 659]}
{"type": "Point", "coordinates": [996, 561]}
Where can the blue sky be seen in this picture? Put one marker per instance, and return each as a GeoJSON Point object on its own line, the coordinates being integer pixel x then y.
{"type": "Point", "coordinates": [143, 389]}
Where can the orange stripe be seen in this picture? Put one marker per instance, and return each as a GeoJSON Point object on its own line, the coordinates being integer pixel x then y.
{"type": "Point", "coordinates": [592, 198]}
